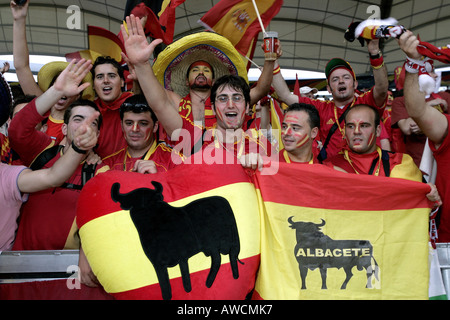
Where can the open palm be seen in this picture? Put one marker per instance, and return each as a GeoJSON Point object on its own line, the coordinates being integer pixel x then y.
{"type": "Point", "coordinates": [138, 50]}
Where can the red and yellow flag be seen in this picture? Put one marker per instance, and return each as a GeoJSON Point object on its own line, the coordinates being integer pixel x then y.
{"type": "Point", "coordinates": [160, 236]}
{"type": "Point", "coordinates": [102, 42]}
{"type": "Point", "coordinates": [332, 235]}
{"type": "Point", "coordinates": [167, 17]}
{"type": "Point", "coordinates": [237, 20]}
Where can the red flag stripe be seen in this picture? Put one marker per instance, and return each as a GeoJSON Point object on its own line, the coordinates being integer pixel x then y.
{"type": "Point", "coordinates": [324, 178]}
{"type": "Point", "coordinates": [102, 203]}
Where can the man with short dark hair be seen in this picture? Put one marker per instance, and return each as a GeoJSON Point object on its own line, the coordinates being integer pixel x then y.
{"type": "Point", "coordinates": [48, 217]}
{"type": "Point", "coordinates": [189, 67]}
{"type": "Point", "coordinates": [342, 84]}
{"type": "Point", "coordinates": [108, 80]}
{"type": "Point", "coordinates": [299, 129]}
{"type": "Point", "coordinates": [143, 154]}
{"type": "Point", "coordinates": [363, 156]}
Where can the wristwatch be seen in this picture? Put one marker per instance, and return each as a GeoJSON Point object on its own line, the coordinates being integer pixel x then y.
{"type": "Point", "coordinates": [78, 150]}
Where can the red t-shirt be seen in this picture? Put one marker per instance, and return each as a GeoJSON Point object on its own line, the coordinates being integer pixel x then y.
{"type": "Point", "coordinates": [284, 157]}
{"type": "Point", "coordinates": [414, 143]}
{"type": "Point", "coordinates": [159, 153]}
{"type": "Point", "coordinates": [54, 129]}
{"type": "Point", "coordinates": [111, 137]}
{"type": "Point", "coordinates": [47, 218]}
{"type": "Point", "coordinates": [400, 165]}
{"type": "Point", "coordinates": [24, 139]}
{"type": "Point", "coordinates": [329, 114]}
{"type": "Point", "coordinates": [442, 156]}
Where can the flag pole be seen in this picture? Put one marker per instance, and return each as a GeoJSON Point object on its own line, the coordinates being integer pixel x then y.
{"type": "Point", "coordinates": [259, 18]}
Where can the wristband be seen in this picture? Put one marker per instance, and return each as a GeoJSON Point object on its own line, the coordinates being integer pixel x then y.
{"type": "Point", "coordinates": [78, 150]}
{"type": "Point", "coordinates": [375, 56]}
{"type": "Point", "coordinates": [277, 70]}
{"type": "Point", "coordinates": [377, 63]}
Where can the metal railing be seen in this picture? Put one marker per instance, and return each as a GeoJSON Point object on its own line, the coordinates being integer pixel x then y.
{"type": "Point", "coordinates": [36, 265]}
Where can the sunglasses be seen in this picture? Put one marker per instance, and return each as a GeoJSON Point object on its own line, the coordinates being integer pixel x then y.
{"type": "Point", "coordinates": [136, 107]}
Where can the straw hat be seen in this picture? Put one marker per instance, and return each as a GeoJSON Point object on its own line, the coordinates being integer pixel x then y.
{"type": "Point", "coordinates": [52, 69]}
{"type": "Point", "coordinates": [173, 62]}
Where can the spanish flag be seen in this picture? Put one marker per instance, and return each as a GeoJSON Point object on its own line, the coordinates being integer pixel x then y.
{"type": "Point", "coordinates": [102, 42]}
{"type": "Point", "coordinates": [332, 235]}
{"type": "Point", "coordinates": [190, 233]}
{"type": "Point", "coordinates": [237, 20]}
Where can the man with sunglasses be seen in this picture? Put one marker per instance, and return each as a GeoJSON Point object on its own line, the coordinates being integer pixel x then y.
{"type": "Point", "coordinates": [142, 154]}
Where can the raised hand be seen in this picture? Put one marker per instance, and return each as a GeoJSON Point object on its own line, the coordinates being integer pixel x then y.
{"type": "Point", "coordinates": [19, 12]}
{"type": "Point", "coordinates": [137, 48]}
{"type": "Point", "coordinates": [69, 81]}
{"type": "Point", "coordinates": [408, 43]}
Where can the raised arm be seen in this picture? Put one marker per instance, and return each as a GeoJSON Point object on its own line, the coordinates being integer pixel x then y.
{"type": "Point", "coordinates": [281, 87]}
{"type": "Point", "coordinates": [20, 50]}
{"type": "Point", "coordinates": [163, 102]}
{"type": "Point", "coordinates": [85, 139]}
{"type": "Point", "coordinates": [67, 84]}
{"type": "Point", "coordinates": [433, 123]}
{"type": "Point", "coordinates": [380, 74]}
{"type": "Point", "coordinates": [264, 83]}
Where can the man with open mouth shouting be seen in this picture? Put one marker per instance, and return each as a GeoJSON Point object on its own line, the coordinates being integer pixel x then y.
{"type": "Point", "coordinates": [342, 84]}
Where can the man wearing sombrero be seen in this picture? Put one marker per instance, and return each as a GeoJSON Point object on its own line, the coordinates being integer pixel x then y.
{"type": "Point", "coordinates": [46, 76]}
{"type": "Point", "coordinates": [182, 75]}
{"type": "Point", "coordinates": [342, 84]}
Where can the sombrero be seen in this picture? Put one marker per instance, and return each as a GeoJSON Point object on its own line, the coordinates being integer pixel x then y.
{"type": "Point", "coordinates": [6, 99]}
{"type": "Point", "coordinates": [173, 62]}
{"type": "Point", "coordinates": [52, 69]}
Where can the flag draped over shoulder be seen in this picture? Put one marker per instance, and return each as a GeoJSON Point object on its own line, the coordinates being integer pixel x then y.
{"type": "Point", "coordinates": [160, 236]}
{"type": "Point", "coordinates": [237, 20]}
{"type": "Point", "coordinates": [371, 243]}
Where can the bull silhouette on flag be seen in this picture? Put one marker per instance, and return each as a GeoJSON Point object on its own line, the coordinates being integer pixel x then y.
{"type": "Point", "coordinates": [315, 250]}
{"type": "Point", "coordinates": [171, 235]}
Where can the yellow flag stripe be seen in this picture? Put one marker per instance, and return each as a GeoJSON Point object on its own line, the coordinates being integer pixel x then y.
{"type": "Point", "coordinates": [399, 239]}
{"type": "Point", "coordinates": [130, 262]}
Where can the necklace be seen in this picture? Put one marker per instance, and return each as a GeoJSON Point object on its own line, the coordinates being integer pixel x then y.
{"type": "Point", "coordinates": [202, 99]}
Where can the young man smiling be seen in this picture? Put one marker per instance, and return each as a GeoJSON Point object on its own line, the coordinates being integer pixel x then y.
{"type": "Point", "coordinates": [189, 68]}
{"type": "Point", "coordinates": [299, 129]}
{"type": "Point", "coordinates": [108, 81]}
{"type": "Point", "coordinates": [143, 154]}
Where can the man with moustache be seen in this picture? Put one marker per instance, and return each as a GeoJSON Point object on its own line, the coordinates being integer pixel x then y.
{"type": "Point", "coordinates": [342, 84]}
{"type": "Point", "coordinates": [183, 74]}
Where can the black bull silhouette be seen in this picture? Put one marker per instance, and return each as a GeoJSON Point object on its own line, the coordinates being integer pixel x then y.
{"type": "Point", "coordinates": [171, 235]}
{"type": "Point", "coordinates": [311, 239]}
